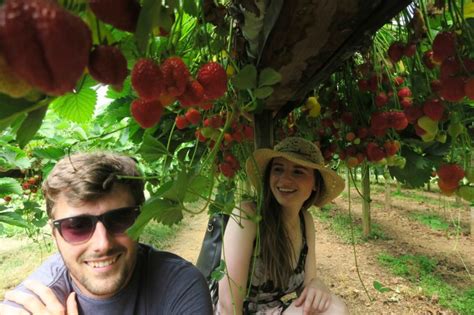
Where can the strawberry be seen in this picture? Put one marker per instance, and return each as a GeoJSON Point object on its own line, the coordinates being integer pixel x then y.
{"type": "Point", "coordinates": [226, 169]}
{"type": "Point", "coordinates": [406, 102]}
{"type": "Point", "coordinates": [121, 14]}
{"type": "Point", "coordinates": [395, 51]}
{"type": "Point", "coordinates": [469, 88]}
{"type": "Point", "coordinates": [238, 136]}
{"type": "Point", "coordinates": [10, 84]}
{"type": "Point", "coordinates": [228, 138]}
{"type": "Point", "coordinates": [435, 85]}
{"type": "Point", "coordinates": [248, 132]}
{"type": "Point", "coordinates": [373, 83]}
{"type": "Point", "coordinates": [213, 78]}
{"type": "Point", "coordinates": [451, 174]}
{"type": "Point", "coordinates": [419, 131]}
{"type": "Point", "coordinates": [107, 65]}
{"type": "Point", "coordinates": [378, 132]}
{"type": "Point", "coordinates": [434, 109]}
{"type": "Point", "coordinates": [413, 113]}
{"type": "Point", "coordinates": [374, 152]}
{"type": "Point", "coordinates": [166, 99]}
{"type": "Point", "coordinates": [381, 99]}
{"type": "Point", "coordinates": [397, 120]}
{"type": "Point", "coordinates": [428, 59]}
{"type": "Point", "coordinates": [350, 136]}
{"type": "Point", "coordinates": [232, 160]}
{"type": "Point", "coordinates": [193, 116]}
{"type": "Point", "coordinates": [450, 67]}
{"type": "Point", "coordinates": [43, 44]}
{"type": "Point", "coordinates": [398, 81]}
{"type": "Point", "coordinates": [181, 122]}
{"type": "Point", "coordinates": [362, 133]}
{"type": "Point", "coordinates": [147, 79]}
{"type": "Point", "coordinates": [404, 92]}
{"type": "Point", "coordinates": [146, 113]}
{"type": "Point", "coordinates": [447, 188]}
{"type": "Point", "coordinates": [452, 89]}
{"type": "Point", "coordinates": [7, 199]}
{"type": "Point", "coordinates": [409, 50]}
{"type": "Point", "coordinates": [200, 136]}
{"type": "Point", "coordinates": [444, 45]}
{"type": "Point", "coordinates": [206, 105]}
{"type": "Point", "coordinates": [176, 75]}
{"type": "Point", "coordinates": [352, 162]}
{"type": "Point", "coordinates": [193, 94]}
{"type": "Point", "coordinates": [363, 85]}
{"type": "Point", "coordinates": [391, 147]}
{"type": "Point", "coordinates": [379, 120]}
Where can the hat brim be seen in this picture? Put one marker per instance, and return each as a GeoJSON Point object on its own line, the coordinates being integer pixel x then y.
{"type": "Point", "coordinates": [255, 166]}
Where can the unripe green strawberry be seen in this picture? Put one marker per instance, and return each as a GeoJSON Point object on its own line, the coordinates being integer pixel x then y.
{"type": "Point", "coordinates": [466, 193]}
{"type": "Point", "coordinates": [455, 129]}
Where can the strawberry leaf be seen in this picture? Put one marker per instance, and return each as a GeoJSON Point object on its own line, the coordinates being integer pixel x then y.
{"type": "Point", "coordinates": [9, 186]}
{"type": "Point", "coordinates": [268, 76]}
{"type": "Point", "coordinates": [263, 92]}
{"type": "Point", "coordinates": [246, 78]}
{"type": "Point", "coordinates": [30, 126]}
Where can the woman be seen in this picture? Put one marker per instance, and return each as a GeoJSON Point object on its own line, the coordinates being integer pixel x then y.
{"type": "Point", "coordinates": [264, 267]}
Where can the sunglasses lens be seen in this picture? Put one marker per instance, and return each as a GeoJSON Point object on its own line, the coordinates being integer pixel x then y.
{"type": "Point", "coordinates": [119, 221]}
{"type": "Point", "coordinates": [77, 229]}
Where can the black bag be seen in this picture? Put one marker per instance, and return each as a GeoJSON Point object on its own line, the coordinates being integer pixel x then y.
{"type": "Point", "coordinates": [210, 255]}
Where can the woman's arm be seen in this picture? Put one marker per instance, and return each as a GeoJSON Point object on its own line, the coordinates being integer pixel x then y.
{"type": "Point", "coordinates": [239, 237]}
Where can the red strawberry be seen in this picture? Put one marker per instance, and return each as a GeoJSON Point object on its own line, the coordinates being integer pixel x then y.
{"type": "Point", "coordinates": [435, 85]}
{"type": "Point", "coordinates": [232, 160]}
{"type": "Point", "coordinates": [398, 81]}
{"type": "Point", "coordinates": [379, 120]}
{"type": "Point", "coordinates": [434, 109]}
{"type": "Point", "coordinates": [378, 133]}
{"type": "Point", "coordinates": [147, 79]}
{"type": "Point", "coordinates": [166, 99]}
{"type": "Point", "coordinates": [248, 132]}
{"type": "Point", "coordinates": [107, 65]}
{"type": "Point", "coordinates": [146, 113]}
{"type": "Point", "coordinates": [398, 120]}
{"type": "Point", "coordinates": [419, 131]}
{"type": "Point", "coordinates": [450, 67]}
{"type": "Point", "coordinates": [404, 92]}
{"type": "Point", "coordinates": [395, 51]}
{"type": "Point", "coordinates": [193, 116]}
{"type": "Point", "coordinates": [200, 136]}
{"type": "Point", "coordinates": [213, 78]}
{"type": "Point", "coordinates": [428, 59]}
{"type": "Point", "coordinates": [381, 99]}
{"type": "Point", "coordinates": [362, 133]}
{"type": "Point", "coordinates": [447, 188]}
{"type": "Point", "coordinates": [451, 174]}
{"type": "Point", "coordinates": [181, 122]}
{"type": "Point", "coordinates": [406, 102]}
{"type": "Point", "coordinates": [409, 50]}
{"type": "Point", "coordinates": [206, 106]}
{"type": "Point", "coordinates": [238, 136]}
{"type": "Point", "coordinates": [373, 83]}
{"type": "Point", "coordinates": [226, 169]}
{"type": "Point", "coordinates": [452, 89]}
{"type": "Point", "coordinates": [176, 75]}
{"type": "Point", "coordinates": [43, 44]}
{"type": "Point", "coordinates": [193, 94]}
{"type": "Point", "coordinates": [228, 138]}
{"type": "Point", "coordinates": [444, 45]}
{"type": "Point", "coordinates": [413, 113]}
{"type": "Point", "coordinates": [363, 85]}
{"type": "Point", "coordinates": [391, 147]}
{"type": "Point", "coordinates": [122, 14]}
{"type": "Point", "coordinates": [469, 88]}
{"type": "Point", "coordinates": [374, 152]}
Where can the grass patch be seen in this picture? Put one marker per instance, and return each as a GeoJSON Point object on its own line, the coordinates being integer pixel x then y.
{"type": "Point", "coordinates": [435, 222]}
{"type": "Point", "coordinates": [421, 270]}
{"type": "Point", "coordinates": [159, 235]}
{"type": "Point", "coordinates": [340, 224]}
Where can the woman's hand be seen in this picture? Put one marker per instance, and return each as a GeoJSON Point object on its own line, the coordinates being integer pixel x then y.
{"type": "Point", "coordinates": [47, 303]}
{"type": "Point", "coordinates": [315, 298]}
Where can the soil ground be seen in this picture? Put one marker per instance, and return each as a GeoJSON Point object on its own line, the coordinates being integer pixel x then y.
{"type": "Point", "coordinates": [336, 260]}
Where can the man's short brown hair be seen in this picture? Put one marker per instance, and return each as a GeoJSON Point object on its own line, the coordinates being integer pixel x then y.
{"type": "Point", "coordinates": [84, 177]}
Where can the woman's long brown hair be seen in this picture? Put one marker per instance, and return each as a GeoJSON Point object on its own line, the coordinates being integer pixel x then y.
{"type": "Point", "coordinates": [276, 251]}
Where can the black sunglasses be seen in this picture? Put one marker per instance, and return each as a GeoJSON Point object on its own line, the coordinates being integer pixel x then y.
{"type": "Point", "coordinates": [79, 229]}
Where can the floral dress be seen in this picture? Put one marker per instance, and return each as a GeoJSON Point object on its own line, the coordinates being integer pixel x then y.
{"type": "Point", "coordinates": [264, 298]}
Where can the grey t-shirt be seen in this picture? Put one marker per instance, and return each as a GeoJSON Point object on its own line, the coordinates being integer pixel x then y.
{"type": "Point", "coordinates": [162, 283]}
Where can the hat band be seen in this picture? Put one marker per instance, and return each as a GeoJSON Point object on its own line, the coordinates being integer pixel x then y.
{"type": "Point", "coordinates": [299, 152]}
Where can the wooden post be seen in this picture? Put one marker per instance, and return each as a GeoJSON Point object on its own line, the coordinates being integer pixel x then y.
{"type": "Point", "coordinates": [388, 200]}
{"type": "Point", "coordinates": [263, 123]}
{"type": "Point", "coordinates": [366, 199]}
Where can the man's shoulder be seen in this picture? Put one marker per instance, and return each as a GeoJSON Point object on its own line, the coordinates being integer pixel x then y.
{"type": "Point", "coordinates": [162, 258]}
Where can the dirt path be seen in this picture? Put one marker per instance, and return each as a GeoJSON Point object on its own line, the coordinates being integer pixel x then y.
{"type": "Point", "coordinates": [336, 262]}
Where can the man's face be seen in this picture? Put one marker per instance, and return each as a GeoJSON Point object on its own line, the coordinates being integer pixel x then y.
{"type": "Point", "coordinates": [103, 265]}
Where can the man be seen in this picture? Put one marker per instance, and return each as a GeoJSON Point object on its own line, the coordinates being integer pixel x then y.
{"type": "Point", "coordinates": [91, 200]}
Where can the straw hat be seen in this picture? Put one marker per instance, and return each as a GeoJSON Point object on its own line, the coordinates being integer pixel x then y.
{"type": "Point", "coordinates": [302, 152]}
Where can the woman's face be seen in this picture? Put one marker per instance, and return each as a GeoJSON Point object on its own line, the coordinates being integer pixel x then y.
{"type": "Point", "coordinates": [291, 183]}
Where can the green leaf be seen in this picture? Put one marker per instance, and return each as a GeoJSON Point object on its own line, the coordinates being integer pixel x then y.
{"type": "Point", "coordinates": [51, 153]}
{"type": "Point", "coordinates": [13, 218]}
{"type": "Point", "coordinates": [30, 126]}
{"type": "Point", "coordinates": [76, 107]}
{"type": "Point", "coordinates": [417, 170]}
{"type": "Point", "coordinates": [246, 78]}
{"type": "Point", "coordinates": [9, 186]}
{"type": "Point", "coordinates": [268, 76]}
{"type": "Point", "coordinates": [263, 92]}
{"type": "Point", "coordinates": [198, 186]}
{"type": "Point", "coordinates": [178, 191]}
{"type": "Point", "coordinates": [14, 157]}
{"type": "Point", "coordinates": [148, 16]}
{"type": "Point", "coordinates": [152, 149]}
{"type": "Point", "coordinates": [12, 106]}
{"type": "Point", "coordinates": [162, 210]}
{"type": "Point", "coordinates": [379, 287]}
{"type": "Point", "coordinates": [190, 8]}
{"type": "Point", "coordinates": [219, 273]}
